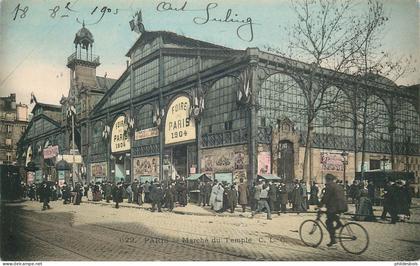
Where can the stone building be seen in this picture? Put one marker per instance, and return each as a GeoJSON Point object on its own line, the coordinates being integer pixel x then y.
{"type": "Point", "coordinates": [13, 121]}
{"type": "Point", "coordinates": [185, 106]}
{"type": "Point", "coordinates": [48, 138]}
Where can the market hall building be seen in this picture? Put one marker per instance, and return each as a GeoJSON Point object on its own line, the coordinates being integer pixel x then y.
{"type": "Point", "coordinates": [185, 106]}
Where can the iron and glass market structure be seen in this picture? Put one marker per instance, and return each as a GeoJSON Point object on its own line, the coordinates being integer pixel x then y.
{"type": "Point", "coordinates": [186, 106]}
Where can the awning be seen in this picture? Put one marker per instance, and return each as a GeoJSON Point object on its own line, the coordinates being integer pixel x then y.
{"type": "Point", "coordinates": [269, 177]}
{"type": "Point", "coordinates": [227, 177]}
{"type": "Point", "coordinates": [195, 177]}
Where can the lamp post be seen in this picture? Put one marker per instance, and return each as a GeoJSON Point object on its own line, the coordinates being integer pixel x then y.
{"type": "Point", "coordinates": [71, 111]}
{"type": "Point", "coordinates": [345, 159]}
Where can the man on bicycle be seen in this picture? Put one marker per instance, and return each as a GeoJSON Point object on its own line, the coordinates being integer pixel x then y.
{"type": "Point", "coordinates": [335, 203]}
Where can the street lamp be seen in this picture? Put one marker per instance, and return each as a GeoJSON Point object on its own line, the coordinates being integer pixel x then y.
{"type": "Point", "coordinates": [345, 159]}
{"type": "Point", "coordinates": [384, 160]}
{"type": "Point", "coordinates": [69, 102]}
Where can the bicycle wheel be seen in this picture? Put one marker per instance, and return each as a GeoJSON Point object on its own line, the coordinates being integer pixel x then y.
{"type": "Point", "coordinates": [354, 238]}
{"type": "Point", "coordinates": [310, 233]}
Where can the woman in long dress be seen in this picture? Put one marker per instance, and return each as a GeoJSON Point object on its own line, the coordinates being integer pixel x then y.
{"type": "Point", "coordinates": [213, 195]}
{"type": "Point", "coordinates": [218, 201]}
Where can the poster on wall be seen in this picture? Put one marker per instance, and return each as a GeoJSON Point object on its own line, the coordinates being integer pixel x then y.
{"type": "Point", "coordinates": [179, 127]}
{"type": "Point", "coordinates": [146, 166]}
{"type": "Point", "coordinates": [264, 163]}
{"type": "Point", "coordinates": [331, 161]}
{"type": "Point", "coordinates": [30, 177]}
{"type": "Point", "coordinates": [237, 175]}
{"type": "Point", "coordinates": [119, 136]}
{"type": "Point", "coordinates": [50, 152]}
{"type": "Point", "coordinates": [61, 175]}
{"type": "Point", "coordinates": [239, 160]}
{"type": "Point", "coordinates": [98, 169]}
{"type": "Point", "coordinates": [38, 176]}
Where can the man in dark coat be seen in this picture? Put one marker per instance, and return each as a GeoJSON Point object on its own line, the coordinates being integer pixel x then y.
{"type": "Point", "coordinates": [135, 189]}
{"type": "Point", "coordinates": [201, 194]}
{"type": "Point", "coordinates": [232, 198]}
{"type": "Point", "coordinates": [371, 192]}
{"type": "Point", "coordinates": [182, 192]}
{"type": "Point", "coordinates": [207, 193]}
{"type": "Point", "coordinates": [146, 190]}
{"type": "Point", "coordinates": [66, 193]}
{"type": "Point", "coordinates": [170, 196]}
{"type": "Point", "coordinates": [313, 198]}
{"type": "Point", "coordinates": [117, 194]}
{"type": "Point", "coordinates": [45, 193]}
{"type": "Point", "coordinates": [108, 191]}
{"type": "Point", "coordinates": [353, 191]}
{"type": "Point", "coordinates": [243, 194]}
{"type": "Point", "coordinates": [272, 196]}
{"type": "Point", "coordinates": [78, 190]}
{"type": "Point", "coordinates": [297, 197]}
{"type": "Point", "coordinates": [156, 196]}
{"type": "Point", "coordinates": [335, 202]}
{"type": "Point", "coordinates": [283, 197]}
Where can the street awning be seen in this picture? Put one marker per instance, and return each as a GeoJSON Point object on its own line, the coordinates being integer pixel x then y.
{"type": "Point", "coordinates": [227, 177]}
{"type": "Point", "coordinates": [269, 177]}
{"type": "Point", "coordinates": [195, 177]}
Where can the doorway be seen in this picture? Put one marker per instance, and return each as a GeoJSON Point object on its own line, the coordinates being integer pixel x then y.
{"type": "Point", "coordinates": [285, 161]}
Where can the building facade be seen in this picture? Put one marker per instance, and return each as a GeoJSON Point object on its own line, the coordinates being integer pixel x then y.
{"type": "Point", "coordinates": [185, 106]}
{"type": "Point", "coordinates": [14, 118]}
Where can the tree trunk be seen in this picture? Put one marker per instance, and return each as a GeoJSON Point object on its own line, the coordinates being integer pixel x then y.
{"type": "Point", "coordinates": [308, 146]}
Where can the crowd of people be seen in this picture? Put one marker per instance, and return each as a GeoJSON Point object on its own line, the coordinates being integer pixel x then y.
{"type": "Point", "coordinates": [263, 195]}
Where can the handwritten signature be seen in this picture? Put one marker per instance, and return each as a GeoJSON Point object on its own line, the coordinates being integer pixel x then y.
{"type": "Point", "coordinates": [245, 31]}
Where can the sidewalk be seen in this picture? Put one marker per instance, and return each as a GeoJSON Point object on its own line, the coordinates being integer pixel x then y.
{"type": "Point", "coordinates": [194, 209]}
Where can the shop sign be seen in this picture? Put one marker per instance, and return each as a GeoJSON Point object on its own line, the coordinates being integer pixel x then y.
{"type": "Point", "coordinates": [69, 158]}
{"type": "Point", "coordinates": [331, 161]}
{"type": "Point", "coordinates": [146, 133]}
{"type": "Point", "coordinates": [50, 152]}
{"type": "Point", "coordinates": [98, 169]}
{"type": "Point", "coordinates": [264, 163]}
{"type": "Point", "coordinates": [179, 127]}
{"type": "Point", "coordinates": [119, 136]}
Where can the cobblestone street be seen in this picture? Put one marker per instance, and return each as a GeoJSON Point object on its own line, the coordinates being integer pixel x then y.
{"type": "Point", "coordinates": [101, 232]}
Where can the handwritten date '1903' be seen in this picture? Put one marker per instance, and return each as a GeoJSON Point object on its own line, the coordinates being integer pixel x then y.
{"type": "Point", "coordinates": [64, 11]}
{"type": "Point", "coordinates": [245, 31]}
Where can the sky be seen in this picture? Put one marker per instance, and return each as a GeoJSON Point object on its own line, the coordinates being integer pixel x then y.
{"type": "Point", "coordinates": [36, 36]}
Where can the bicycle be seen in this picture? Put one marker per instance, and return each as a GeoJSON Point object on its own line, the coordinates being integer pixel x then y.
{"type": "Point", "coordinates": [352, 236]}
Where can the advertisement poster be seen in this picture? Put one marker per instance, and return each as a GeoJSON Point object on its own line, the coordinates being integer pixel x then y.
{"type": "Point", "coordinates": [98, 169]}
{"type": "Point", "coordinates": [331, 161]}
{"type": "Point", "coordinates": [50, 152]}
{"type": "Point", "coordinates": [30, 177]}
{"type": "Point", "coordinates": [146, 166]}
{"type": "Point", "coordinates": [264, 163]}
{"type": "Point", "coordinates": [146, 133]}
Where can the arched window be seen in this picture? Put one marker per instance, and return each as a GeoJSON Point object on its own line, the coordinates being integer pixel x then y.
{"type": "Point", "coordinates": [334, 116]}
{"type": "Point", "coordinates": [281, 97]}
{"type": "Point", "coordinates": [144, 117]}
{"type": "Point", "coordinates": [407, 124]}
{"type": "Point", "coordinates": [221, 110]}
{"type": "Point", "coordinates": [97, 144]}
{"type": "Point", "coordinates": [377, 119]}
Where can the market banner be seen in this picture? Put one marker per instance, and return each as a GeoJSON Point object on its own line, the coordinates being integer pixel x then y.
{"type": "Point", "coordinates": [179, 127]}
{"type": "Point", "coordinates": [119, 135]}
{"type": "Point", "coordinates": [50, 152]}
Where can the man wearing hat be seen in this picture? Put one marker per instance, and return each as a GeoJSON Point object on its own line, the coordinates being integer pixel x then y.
{"type": "Point", "coordinates": [335, 203]}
